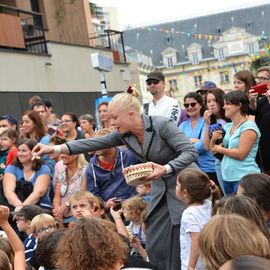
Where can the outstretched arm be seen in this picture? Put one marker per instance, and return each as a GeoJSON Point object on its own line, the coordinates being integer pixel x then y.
{"type": "Point", "coordinates": [16, 244]}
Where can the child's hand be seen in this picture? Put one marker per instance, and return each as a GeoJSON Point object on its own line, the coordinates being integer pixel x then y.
{"type": "Point", "coordinates": [115, 214]}
{"type": "Point", "coordinates": [4, 214]}
{"type": "Point", "coordinates": [135, 242]}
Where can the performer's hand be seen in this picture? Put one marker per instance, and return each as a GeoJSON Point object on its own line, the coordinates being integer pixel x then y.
{"type": "Point", "coordinates": [41, 149]}
{"type": "Point", "coordinates": [159, 171]}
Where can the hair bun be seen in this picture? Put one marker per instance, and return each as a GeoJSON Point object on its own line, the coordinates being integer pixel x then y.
{"type": "Point", "coordinates": [133, 91]}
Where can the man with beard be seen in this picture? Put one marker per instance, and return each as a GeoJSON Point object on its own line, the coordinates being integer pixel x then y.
{"type": "Point", "coordinates": [161, 103]}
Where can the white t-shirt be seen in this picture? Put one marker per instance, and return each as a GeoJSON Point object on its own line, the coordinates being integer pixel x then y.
{"type": "Point", "coordinates": [166, 106]}
{"type": "Point", "coordinates": [193, 220]}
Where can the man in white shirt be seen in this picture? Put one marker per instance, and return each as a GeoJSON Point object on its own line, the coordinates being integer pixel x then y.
{"type": "Point", "coordinates": [161, 103]}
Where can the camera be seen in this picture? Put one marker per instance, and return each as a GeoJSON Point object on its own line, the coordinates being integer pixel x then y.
{"type": "Point", "coordinates": [260, 89]}
{"type": "Point", "coordinates": [211, 129]}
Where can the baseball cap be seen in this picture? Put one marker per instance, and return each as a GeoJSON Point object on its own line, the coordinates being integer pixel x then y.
{"type": "Point", "coordinates": [12, 119]}
{"type": "Point", "coordinates": [47, 103]}
{"type": "Point", "coordinates": [156, 75]}
{"type": "Point", "coordinates": [29, 211]}
{"type": "Point", "coordinates": [206, 86]}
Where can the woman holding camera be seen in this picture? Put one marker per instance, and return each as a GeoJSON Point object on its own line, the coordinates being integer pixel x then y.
{"type": "Point", "coordinates": [194, 130]}
{"type": "Point", "coordinates": [240, 143]}
{"type": "Point", "coordinates": [215, 119]}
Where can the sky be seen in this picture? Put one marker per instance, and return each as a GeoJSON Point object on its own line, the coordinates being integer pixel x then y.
{"type": "Point", "coordinates": [146, 12]}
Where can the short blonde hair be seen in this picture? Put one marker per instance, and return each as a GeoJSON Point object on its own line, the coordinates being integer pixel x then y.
{"type": "Point", "coordinates": [88, 196]}
{"type": "Point", "coordinates": [128, 100]}
{"type": "Point", "coordinates": [228, 236]}
{"type": "Point", "coordinates": [40, 220]}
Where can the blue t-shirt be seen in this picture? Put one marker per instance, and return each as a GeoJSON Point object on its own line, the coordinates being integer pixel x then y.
{"type": "Point", "coordinates": [234, 169]}
{"type": "Point", "coordinates": [206, 160]}
{"type": "Point", "coordinates": [44, 169]}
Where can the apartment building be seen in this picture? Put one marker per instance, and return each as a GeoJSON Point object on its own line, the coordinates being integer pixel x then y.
{"type": "Point", "coordinates": [45, 50]}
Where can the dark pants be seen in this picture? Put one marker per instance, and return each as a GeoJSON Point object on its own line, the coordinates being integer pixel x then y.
{"type": "Point", "coordinates": [231, 187]}
{"type": "Point", "coordinates": [163, 238]}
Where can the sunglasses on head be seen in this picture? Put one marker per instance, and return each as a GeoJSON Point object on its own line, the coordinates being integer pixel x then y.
{"type": "Point", "coordinates": [192, 104]}
{"type": "Point", "coordinates": [154, 81]}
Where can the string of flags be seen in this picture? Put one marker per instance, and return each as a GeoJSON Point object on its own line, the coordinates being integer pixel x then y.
{"type": "Point", "coordinates": [237, 64]}
{"type": "Point", "coordinates": [197, 35]}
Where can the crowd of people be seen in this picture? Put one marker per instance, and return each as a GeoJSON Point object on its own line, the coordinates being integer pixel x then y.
{"type": "Point", "coordinates": [65, 203]}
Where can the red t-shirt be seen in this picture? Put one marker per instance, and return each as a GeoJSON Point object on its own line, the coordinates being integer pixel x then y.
{"type": "Point", "coordinates": [106, 166]}
{"type": "Point", "coordinates": [12, 154]}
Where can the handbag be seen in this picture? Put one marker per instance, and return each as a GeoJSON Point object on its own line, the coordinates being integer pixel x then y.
{"type": "Point", "coordinates": [23, 189]}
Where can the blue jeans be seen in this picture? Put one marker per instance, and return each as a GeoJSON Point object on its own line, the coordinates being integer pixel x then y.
{"type": "Point", "coordinates": [230, 187]}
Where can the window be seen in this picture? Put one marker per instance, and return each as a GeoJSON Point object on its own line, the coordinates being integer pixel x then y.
{"type": "Point", "coordinates": [169, 62]}
{"type": "Point", "coordinates": [173, 84]}
{"type": "Point", "coordinates": [197, 80]}
{"type": "Point", "coordinates": [219, 30]}
{"type": "Point", "coordinates": [194, 58]}
{"type": "Point", "coordinates": [249, 25]}
{"type": "Point", "coordinates": [220, 54]}
{"type": "Point", "coordinates": [251, 48]}
{"type": "Point", "coordinates": [224, 77]}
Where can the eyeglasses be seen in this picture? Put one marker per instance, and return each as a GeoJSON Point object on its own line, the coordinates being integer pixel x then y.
{"type": "Point", "coordinates": [263, 79]}
{"type": "Point", "coordinates": [44, 229]}
{"type": "Point", "coordinates": [66, 121]}
{"type": "Point", "coordinates": [192, 104]}
{"type": "Point", "coordinates": [20, 219]}
{"type": "Point", "coordinates": [154, 81]}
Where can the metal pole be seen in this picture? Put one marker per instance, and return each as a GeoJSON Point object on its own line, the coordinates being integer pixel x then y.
{"type": "Point", "coordinates": [104, 91]}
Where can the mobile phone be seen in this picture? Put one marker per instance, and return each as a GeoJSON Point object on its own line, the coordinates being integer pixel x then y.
{"type": "Point", "coordinates": [51, 131]}
{"type": "Point", "coordinates": [261, 88]}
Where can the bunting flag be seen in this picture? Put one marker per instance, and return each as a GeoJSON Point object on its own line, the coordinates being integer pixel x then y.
{"type": "Point", "coordinates": [199, 35]}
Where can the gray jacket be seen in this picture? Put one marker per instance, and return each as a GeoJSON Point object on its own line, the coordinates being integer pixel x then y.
{"type": "Point", "coordinates": [163, 143]}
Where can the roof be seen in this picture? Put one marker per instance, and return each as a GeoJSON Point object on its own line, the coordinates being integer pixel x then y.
{"type": "Point", "coordinates": [152, 40]}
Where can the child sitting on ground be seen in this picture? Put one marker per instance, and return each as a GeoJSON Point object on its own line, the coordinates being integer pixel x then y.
{"type": "Point", "coordinates": [134, 210]}
{"type": "Point", "coordinates": [23, 220]}
{"type": "Point", "coordinates": [41, 225]}
{"type": "Point", "coordinates": [144, 190]}
{"type": "Point", "coordinates": [86, 204]}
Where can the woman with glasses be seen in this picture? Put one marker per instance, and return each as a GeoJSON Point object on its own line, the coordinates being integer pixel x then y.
{"type": "Point", "coordinates": [27, 180]}
{"type": "Point", "coordinates": [69, 126]}
{"type": "Point", "coordinates": [240, 143]}
{"type": "Point", "coordinates": [194, 129]}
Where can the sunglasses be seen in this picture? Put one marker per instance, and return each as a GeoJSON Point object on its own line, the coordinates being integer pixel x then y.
{"type": "Point", "coordinates": [154, 81]}
{"type": "Point", "coordinates": [44, 229]}
{"type": "Point", "coordinates": [192, 104]}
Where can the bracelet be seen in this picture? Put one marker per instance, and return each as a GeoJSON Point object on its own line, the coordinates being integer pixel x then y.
{"type": "Point", "coordinates": [118, 218]}
{"type": "Point", "coordinates": [57, 149]}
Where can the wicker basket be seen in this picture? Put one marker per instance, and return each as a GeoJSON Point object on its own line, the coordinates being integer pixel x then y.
{"type": "Point", "coordinates": [135, 173]}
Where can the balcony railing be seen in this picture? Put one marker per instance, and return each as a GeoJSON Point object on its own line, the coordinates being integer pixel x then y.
{"type": "Point", "coordinates": [21, 29]}
{"type": "Point", "coordinates": [110, 39]}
